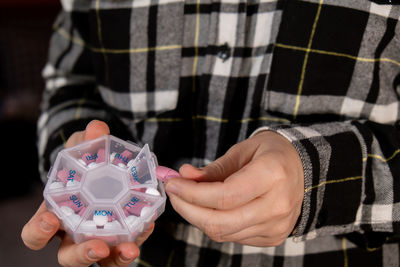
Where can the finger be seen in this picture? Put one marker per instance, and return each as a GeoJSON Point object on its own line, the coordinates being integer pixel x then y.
{"type": "Point", "coordinates": [125, 253]}
{"type": "Point", "coordinates": [122, 255]}
{"type": "Point", "coordinates": [234, 159]}
{"type": "Point", "coordinates": [83, 254]}
{"type": "Point", "coordinates": [96, 129]}
{"type": "Point", "coordinates": [40, 228]}
{"type": "Point", "coordinates": [164, 173]}
{"type": "Point", "coordinates": [218, 223]}
{"type": "Point", "coordinates": [143, 237]}
{"type": "Point", "coordinates": [93, 130]}
{"type": "Point", "coordinates": [246, 184]}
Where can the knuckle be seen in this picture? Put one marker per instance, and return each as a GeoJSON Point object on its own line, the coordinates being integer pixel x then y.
{"type": "Point", "coordinates": [279, 172]}
{"type": "Point", "coordinates": [227, 200]}
{"type": "Point", "coordinates": [235, 147]}
{"type": "Point", "coordinates": [213, 231]}
{"type": "Point", "coordinates": [282, 209]}
{"type": "Point", "coordinates": [218, 167]}
{"type": "Point", "coordinates": [282, 229]}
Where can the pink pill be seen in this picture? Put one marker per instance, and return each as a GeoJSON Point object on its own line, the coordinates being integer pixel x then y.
{"type": "Point", "coordinates": [101, 155]}
{"type": "Point", "coordinates": [133, 182]}
{"type": "Point", "coordinates": [143, 189]}
{"type": "Point", "coordinates": [164, 173]}
{"type": "Point", "coordinates": [89, 158]}
{"type": "Point", "coordinates": [73, 175]}
{"type": "Point", "coordinates": [77, 177]}
{"type": "Point", "coordinates": [63, 176]}
{"type": "Point", "coordinates": [74, 203]}
{"type": "Point", "coordinates": [82, 211]}
{"type": "Point", "coordinates": [123, 157]}
{"type": "Point", "coordinates": [134, 207]}
{"type": "Point", "coordinates": [112, 217]}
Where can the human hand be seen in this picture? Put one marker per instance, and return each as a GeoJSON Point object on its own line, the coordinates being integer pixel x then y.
{"type": "Point", "coordinates": [252, 195]}
{"type": "Point", "coordinates": [45, 224]}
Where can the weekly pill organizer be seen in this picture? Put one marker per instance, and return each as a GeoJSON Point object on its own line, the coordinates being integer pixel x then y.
{"type": "Point", "coordinates": [105, 189]}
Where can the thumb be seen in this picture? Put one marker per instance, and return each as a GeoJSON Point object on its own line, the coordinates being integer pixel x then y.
{"type": "Point", "coordinates": [232, 161]}
{"type": "Point", "coordinates": [96, 129]}
{"type": "Point", "coordinates": [93, 130]}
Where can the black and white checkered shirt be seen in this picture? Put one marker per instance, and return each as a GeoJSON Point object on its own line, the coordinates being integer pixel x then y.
{"type": "Point", "coordinates": [192, 78]}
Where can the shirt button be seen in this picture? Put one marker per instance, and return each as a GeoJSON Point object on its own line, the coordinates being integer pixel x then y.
{"type": "Point", "coordinates": [224, 52]}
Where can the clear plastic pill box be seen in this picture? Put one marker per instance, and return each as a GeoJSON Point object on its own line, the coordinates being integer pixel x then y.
{"type": "Point", "coordinates": [105, 189]}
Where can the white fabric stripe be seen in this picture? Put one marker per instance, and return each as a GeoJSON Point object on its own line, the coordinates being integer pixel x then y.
{"type": "Point", "coordinates": [226, 34]}
{"type": "Point", "coordinates": [228, 248]}
{"type": "Point", "coordinates": [263, 29]}
{"type": "Point", "coordinates": [165, 100]}
{"type": "Point", "coordinates": [294, 248]}
{"type": "Point", "coordinates": [307, 132]}
{"type": "Point", "coordinates": [256, 250]}
{"type": "Point", "coordinates": [239, 1]}
{"type": "Point", "coordinates": [195, 236]}
{"type": "Point", "coordinates": [385, 113]}
{"type": "Point", "coordinates": [43, 136]}
{"type": "Point", "coordinates": [381, 213]}
{"type": "Point", "coordinates": [381, 10]}
{"type": "Point", "coordinates": [351, 107]}
{"type": "Point", "coordinates": [256, 65]}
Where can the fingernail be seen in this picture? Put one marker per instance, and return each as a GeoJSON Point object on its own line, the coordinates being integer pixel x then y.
{"type": "Point", "coordinates": [92, 255]}
{"type": "Point", "coordinates": [171, 188]}
{"type": "Point", "coordinates": [124, 258]}
{"type": "Point", "coordinates": [46, 226]}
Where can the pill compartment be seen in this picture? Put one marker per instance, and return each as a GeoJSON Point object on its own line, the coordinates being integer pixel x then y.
{"type": "Point", "coordinates": [65, 174]}
{"type": "Point", "coordinates": [139, 209]}
{"type": "Point", "coordinates": [122, 154]}
{"type": "Point", "coordinates": [90, 154]}
{"type": "Point", "coordinates": [103, 222]}
{"type": "Point", "coordinates": [142, 169]}
{"type": "Point", "coordinates": [68, 206]}
{"type": "Point", "coordinates": [103, 189]}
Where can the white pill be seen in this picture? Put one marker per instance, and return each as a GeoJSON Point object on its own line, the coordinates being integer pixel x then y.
{"type": "Point", "coordinates": [81, 161]}
{"type": "Point", "coordinates": [56, 185]}
{"type": "Point", "coordinates": [67, 210]}
{"type": "Point", "coordinates": [152, 191]}
{"type": "Point", "coordinates": [145, 211]}
{"type": "Point", "coordinates": [130, 163]}
{"type": "Point", "coordinates": [131, 220]}
{"type": "Point", "coordinates": [112, 156]}
{"type": "Point", "coordinates": [88, 225]}
{"type": "Point", "coordinates": [72, 183]}
{"type": "Point", "coordinates": [100, 220]}
{"type": "Point", "coordinates": [112, 225]}
{"type": "Point", "coordinates": [75, 218]}
{"type": "Point", "coordinates": [91, 165]}
{"type": "Point", "coordinates": [122, 165]}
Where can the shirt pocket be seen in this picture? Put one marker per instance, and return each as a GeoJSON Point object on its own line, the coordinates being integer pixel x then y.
{"type": "Point", "coordinates": [137, 54]}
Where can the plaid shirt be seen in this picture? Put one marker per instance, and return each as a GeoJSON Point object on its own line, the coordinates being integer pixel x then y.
{"type": "Point", "coordinates": [192, 78]}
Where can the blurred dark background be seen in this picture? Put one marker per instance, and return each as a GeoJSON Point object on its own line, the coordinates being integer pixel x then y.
{"type": "Point", "coordinates": [25, 29]}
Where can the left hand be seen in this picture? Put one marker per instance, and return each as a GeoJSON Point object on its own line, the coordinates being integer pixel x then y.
{"type": "Point", "coordinates": [252, 195]}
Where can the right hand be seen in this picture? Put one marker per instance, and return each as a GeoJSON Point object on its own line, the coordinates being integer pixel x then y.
{"type": "Point", "coordinates": [45, 224]}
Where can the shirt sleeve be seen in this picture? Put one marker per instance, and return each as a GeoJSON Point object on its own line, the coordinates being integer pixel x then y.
{"type": "Point", "coordinates": [71, 98]}
{"type": "Point", "coordinates": [352, 179]}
